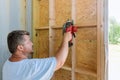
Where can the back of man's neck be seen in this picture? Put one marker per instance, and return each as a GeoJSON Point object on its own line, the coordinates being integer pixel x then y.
{"type": "Point", "coordinates": [15, 58]}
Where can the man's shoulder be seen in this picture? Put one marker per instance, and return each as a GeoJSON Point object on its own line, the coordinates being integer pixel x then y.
{"type": "Point", "coordinates": [41, 60]}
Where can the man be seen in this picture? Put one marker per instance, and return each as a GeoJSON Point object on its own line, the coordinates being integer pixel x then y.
{"type": "Point", "coordinates": [19, 67]}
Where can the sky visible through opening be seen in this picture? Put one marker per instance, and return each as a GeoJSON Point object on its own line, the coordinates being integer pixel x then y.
{"type": "Point", "coordinates": [114, 9]}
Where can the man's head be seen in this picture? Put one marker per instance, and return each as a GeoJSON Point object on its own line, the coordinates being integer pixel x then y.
{"type": "Point", "coordinates": [19, 40]}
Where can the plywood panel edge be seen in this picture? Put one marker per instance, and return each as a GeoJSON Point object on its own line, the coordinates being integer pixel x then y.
{"type": "Point", "coordinates": [51, 23]}
{"type": "Point", "coordinates": [100, 49]}
{"type": "Point", "coordinates": [34, 23]}
{"type": "Point", "coordinates": [73, 47]}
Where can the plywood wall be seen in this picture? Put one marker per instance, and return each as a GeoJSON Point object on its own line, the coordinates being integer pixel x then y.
{"type": "Point", "coordinates": [62, 11]}
{"type": "Point", "coordinates": [86, 12]}
{"type": "Point", "coordinates": [83, 59]}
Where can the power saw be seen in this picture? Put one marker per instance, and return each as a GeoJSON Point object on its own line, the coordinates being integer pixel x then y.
{"type": "Point", "coordinates": [69, 27]}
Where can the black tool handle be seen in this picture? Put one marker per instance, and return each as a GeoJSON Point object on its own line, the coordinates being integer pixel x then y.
{"type": "Point", "coordinates": [70, 44]}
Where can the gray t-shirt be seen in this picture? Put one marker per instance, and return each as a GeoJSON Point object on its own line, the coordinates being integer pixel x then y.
{"type": "Point", "coordinates": [29, 69]}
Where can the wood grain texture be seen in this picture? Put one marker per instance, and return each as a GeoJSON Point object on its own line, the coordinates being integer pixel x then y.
{"type": "Point", "coordinates": [84, 77]}
{"type": "Point", "coordinates": [62, 75]}
{"type": "Point", "coordinates": [62, 11]}
{"type": "Point", "coordinates": [83, 61]}
{"type": "Point", "coordinates": [86, 13]}
{"type": "Point", "coordinates": [42, 43]}
{"type": "Point", "coordinates": [86, 49]}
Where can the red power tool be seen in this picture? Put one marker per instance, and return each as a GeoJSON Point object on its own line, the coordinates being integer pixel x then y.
{"type": "Point", "coordinates": [69, 27]}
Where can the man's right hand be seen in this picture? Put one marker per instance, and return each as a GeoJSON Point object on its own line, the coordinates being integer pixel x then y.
{"type": "Point", "coordinates": [67, 36]}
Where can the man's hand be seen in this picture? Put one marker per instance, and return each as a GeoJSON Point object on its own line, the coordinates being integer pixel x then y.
{"type": "Point", "coordinates": [69, 27]}
{"type": "Point", "coordinates": [67, 36]}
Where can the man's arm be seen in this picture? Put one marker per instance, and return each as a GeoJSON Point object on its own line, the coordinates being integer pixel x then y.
{"type": "Point", "coordinates": [63, 51]}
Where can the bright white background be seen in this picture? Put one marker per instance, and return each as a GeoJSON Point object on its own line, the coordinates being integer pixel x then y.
{"type": "Point", "coordinates": [114, 9]}
{"type": "Point", "coordinates": [114, 50]}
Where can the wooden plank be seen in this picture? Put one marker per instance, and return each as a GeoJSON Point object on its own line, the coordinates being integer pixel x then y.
{"type": "Point", "coordinates": [51, 23]}
{"type": "Point", "coordinates": [67, 68]}
{"type": "Point", "coordinates": [73, 47]}
{"type": "Point", "coordinates": [82, 71]}
{"type": "Point", "coordinates": [99, 39]}
{"type": "Point", "coordinates": [35, 23]}
{"type": "Point", "coordinates": [78, 26]}
{"type": "Point", "coordinates": [42, 28]}
{"type": "Point", "coordinates": [85, 71]}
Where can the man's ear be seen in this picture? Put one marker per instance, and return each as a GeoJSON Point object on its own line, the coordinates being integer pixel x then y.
{"type": "Point", "coordinates": [20, 47]}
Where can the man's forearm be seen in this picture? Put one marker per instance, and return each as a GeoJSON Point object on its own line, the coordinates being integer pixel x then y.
{"type": "Point", "coordinates": [62, 54]}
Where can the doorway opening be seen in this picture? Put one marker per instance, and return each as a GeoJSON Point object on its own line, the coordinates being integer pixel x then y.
{"type": "Point", "coordinates": [114, 40]}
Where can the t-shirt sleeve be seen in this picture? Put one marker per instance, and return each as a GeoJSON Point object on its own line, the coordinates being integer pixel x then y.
{"type": "Point", "coordinates": [44, 68]}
